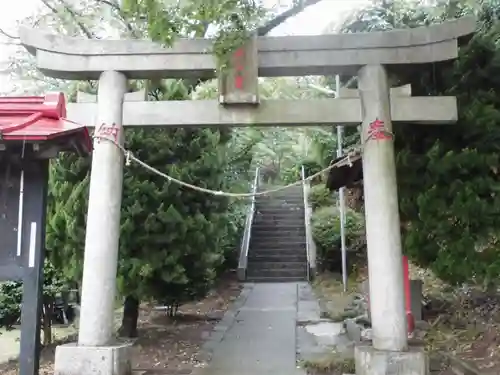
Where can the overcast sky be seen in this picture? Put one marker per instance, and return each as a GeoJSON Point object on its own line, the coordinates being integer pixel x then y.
{"type": "Point", "coordinates": [312, 21]}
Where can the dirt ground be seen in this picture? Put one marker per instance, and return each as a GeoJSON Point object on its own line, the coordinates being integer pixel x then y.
{"type": "Point", "coordinates": [467, 327]}
{"type": "Point", "coordinates": [463, 323]}
{"type": "Point", "coordinates": [169, 346]}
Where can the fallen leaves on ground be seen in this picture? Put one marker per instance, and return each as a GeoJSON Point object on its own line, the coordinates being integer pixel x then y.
{"type": "Point", "coordinates": [167, 345]}
{"type": "Point", "coordinates": [463, 321]}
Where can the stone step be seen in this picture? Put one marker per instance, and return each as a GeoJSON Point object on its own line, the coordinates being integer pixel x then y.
{"type": "Point", "coordinates": [260, 238]}
{"type": "Point", "coordinates": [279, 227]}
{"type": "Point", "coordinates": [264, 244]}
{"type": "Point", "coordinates": [283, 253]}
{"type": "Point", "coordinates": [261, 244]}
{"type": "Point", "coordinates": [278, 233]}
{"type": "Point", "coordinates": [268, 208]}
{"type": "Point", "coordinates": [283, 192]}
{"type": "Point", "coordinates": [279, 215]}
{"type": "Point", "coordinates": [276, 257]}
{"type": "Point", "coordinates": [260, 279]}
{"type": "Point", "coordinates": [275, 212]}
{"type": "Point", "coordinates": [279, 203]}
{"type": "Point", "coordinates": [255, 264]}
{"type": "Point", "coordinates": [280, 196]}
{"type": "Point", "coordinates": [299, 273]}
{"type": "Point", "coordinates": [278, 212]}
{"type": "Point", "coordinates": [277, 236]}
{"type": "Point", "coordinates": [278, 223]}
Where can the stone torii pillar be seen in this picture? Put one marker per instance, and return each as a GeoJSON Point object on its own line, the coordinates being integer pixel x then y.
{"type": "Point", "coordinates": [78, 59]}
{"type": "Point", "coordinates": [103, 216]}
{"type": "Point", "coordinates": [387, 310]}
{"type": "Point", "coordinates": [387, 299]}
{"type": "Point", "coordinates": [96, 350]}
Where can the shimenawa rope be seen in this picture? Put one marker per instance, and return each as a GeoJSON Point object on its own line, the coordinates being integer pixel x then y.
{"type": "Point", "coordinates": [129, 157]}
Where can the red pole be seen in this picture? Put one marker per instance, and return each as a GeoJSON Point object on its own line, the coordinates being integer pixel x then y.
{"type": "Point", "coordinates": [406, 277]}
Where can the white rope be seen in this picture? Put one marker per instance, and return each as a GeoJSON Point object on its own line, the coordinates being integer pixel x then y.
{"type": "Point", "coordinates": [129, 157]}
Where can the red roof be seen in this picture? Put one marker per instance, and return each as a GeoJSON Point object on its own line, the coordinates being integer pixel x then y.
{"type": "Point", "coordinates": [39, 118]}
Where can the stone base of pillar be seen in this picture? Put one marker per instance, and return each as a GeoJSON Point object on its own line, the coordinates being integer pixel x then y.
{"type": "Point", "coordinates": [72, 359]}
{"type": "Point", "coordinates": [370, 361]}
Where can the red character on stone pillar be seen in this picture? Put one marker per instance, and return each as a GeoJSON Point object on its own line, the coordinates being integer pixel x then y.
{"type": "Point", "coordinates": [377, 131]}
{"type": "Point", "coordinates": [238, 67]}
{"type": "Point", "coordinates": [110, 132]}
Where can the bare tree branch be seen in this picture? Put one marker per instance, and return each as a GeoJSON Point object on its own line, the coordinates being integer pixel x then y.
{"type": "Point", "coordinates": [122, 15]}
{"type": "Point", "coordinates": [5, 33]}
{"type": "Point", "coordinates": [263, 31]}
{"type": "Point", "coordinates": [283, 17]}
{"type": "Point", "coordinates": [89, 34]}
{"type": "Point", "coordinates": [73, 15]}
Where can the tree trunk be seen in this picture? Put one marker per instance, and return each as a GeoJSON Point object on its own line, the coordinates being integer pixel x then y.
{"type": "Point", "coordinates": [355, 198]}
{"type": "Point", "coordinates": [130, 316]}
{"type": "Point", "coordinates": [47, 323]}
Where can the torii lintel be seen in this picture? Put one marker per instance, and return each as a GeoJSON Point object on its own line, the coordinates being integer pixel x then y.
{"type": "Point", "coordinates": [80, 59]}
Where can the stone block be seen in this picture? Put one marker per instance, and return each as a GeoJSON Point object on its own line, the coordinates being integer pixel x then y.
{"type": "Point", "coordinates": [136, 96]}
{"type": "Point", "coordinates": [72, 359]}
{"type": "Point", "coordinates": [416, 299]}
{"type": "Point", "coordinates": [370, 361]}
{"type": "Point", "coordinates": [240, 82]}
{"type": "Point", "coordinates": [353, 330]}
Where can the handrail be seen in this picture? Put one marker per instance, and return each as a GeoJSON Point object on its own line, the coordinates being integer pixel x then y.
{"type": "Point", "coordinates": [310, 245]}
{"type": "Point", "coordinates": [245, 242]}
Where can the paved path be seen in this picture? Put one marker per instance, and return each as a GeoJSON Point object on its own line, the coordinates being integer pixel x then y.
{"type": "Point", "coordinates": [260, 333]}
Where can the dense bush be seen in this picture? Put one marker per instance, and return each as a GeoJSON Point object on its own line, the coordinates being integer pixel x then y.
{"type": "Point", "coordinates": [448, 177]}
{"type": "Point", "coordinates": [11, 299]}
{"type": "Point", "coordinates": [236, 225]}
{"type": "Point", "coordinates": [11, 295]}
{"type": "Point", "coordinates": [294, 173]}
{"type": "Point", "coordinates": [320, 196]}
{"type": "Point", "coordinates": [326, 234]}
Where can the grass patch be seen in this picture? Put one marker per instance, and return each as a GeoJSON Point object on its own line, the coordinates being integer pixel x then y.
{"type": "Point", "coordinates": [334, 301]}
{"type": "Point", "coordinates": [339, 316]}
{"type": "Point", "coordinates": [332, 363]}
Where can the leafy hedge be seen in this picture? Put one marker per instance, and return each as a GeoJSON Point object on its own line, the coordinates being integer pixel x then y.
{"type": "Point", "coordinates": [11, 295]}
{"type": "Point", "coordinates": [326, 234]}
{"type": "Point", "coordinates": [320, 196]}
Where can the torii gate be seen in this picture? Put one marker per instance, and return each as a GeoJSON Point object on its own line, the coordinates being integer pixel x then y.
{"type": "Point", "coordinates": [367, 55]}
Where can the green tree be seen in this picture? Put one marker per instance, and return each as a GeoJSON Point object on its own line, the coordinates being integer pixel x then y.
{"type": "Point", "coordinates": [173, 240]}
{"type": "Point", "coordinates": [11, 299]}
{"type": "Point", "coordinates": [448, 180]}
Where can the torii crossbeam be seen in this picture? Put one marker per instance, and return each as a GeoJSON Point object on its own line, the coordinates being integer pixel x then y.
{"type": "Point", "coordinates": [367, 55]}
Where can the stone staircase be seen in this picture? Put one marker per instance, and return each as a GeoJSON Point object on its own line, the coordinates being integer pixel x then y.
{"type": "Point", "coordinates": [277, 251]}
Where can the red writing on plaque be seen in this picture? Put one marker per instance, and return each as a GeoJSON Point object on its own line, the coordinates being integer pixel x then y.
{"type": "Point", "coordinates": [239, 61]}
{"type": "Point", "coordinates": [106, 131]}
{"type": "Point", "coordinates": [376, 130]}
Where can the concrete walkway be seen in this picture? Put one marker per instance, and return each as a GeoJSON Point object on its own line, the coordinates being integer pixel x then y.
{"type": "Point", "coordinates": [258, 337]}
